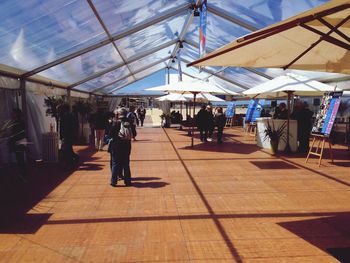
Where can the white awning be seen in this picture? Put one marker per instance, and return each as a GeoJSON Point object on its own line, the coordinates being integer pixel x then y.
{"type": "Point", "coordinates": [315, 40]}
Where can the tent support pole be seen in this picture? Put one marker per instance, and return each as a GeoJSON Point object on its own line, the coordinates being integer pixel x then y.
{"type": "Point", "coordinates": [288, 149]}
{"type": "Point", "coordinates": [194, 108]}
{"type": "Point", "coordinates": [24, 105]}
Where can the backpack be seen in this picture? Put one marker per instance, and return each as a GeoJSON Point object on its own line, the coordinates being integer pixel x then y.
{"type": "Point", "coordinates": [125, 132]}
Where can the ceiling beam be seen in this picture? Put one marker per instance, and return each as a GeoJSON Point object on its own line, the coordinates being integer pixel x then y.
{"type": "Point", "coordinates": [135, 72]}
{"type": "Point", "coordinates": [184, 30]}
{"type": "Point", "coordinates": [104, 42]}
{"type": "Point", "coordinates": [133, 59]}
{"type": "Point", "coordinates": [97, 15]}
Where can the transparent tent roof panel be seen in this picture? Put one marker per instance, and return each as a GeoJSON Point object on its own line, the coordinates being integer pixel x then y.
{"type": "Point", "coordinates": [121, 15]}
{"type": "Point", "coordinates": [150, 70]}
{"type": "Point", "coordinates": [262, 13]}
{"type": "Point", "coordinates": [117, 85]}
{"type": "Point", "coordinates": [35, 32]}
{"type": "Point", "coordinates": [85, 65]}
{"type": "Point", "coordinates": [152, 58]}
{"type": "Point", "coordinates": [105, 79]}
{"type": "Point", "coordinates": [151, 36]}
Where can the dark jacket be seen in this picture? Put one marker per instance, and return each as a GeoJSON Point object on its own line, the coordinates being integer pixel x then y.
{"type": "Point", "coordinates": [118, 145]}
{"type": "Point", "coordinates": [220, 120]}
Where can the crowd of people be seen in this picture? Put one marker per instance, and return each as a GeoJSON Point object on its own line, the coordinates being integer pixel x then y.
{"type": "Point", "coordinates": [119, 128]}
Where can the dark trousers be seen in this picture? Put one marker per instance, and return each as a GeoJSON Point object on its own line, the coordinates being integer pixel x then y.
{"type": "Point", "coordinates": [21, 160]}
{"type": "Point", "coordinates": [120, 167]}
{"type": "Point", "coordinates": [220, 132]}
{"type": "Point", "coordinates": [142, 119]}
{"type": "Point", "coordinates": [203, 133]}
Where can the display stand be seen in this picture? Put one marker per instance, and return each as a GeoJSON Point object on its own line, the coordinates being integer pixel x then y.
{"type": "Point", "coordinates": [320, 140]}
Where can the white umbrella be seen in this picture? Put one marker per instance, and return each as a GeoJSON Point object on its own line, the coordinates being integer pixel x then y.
{"type": "Point", "coordinates": [278, 87]}
{"type": "Point", "coordinates": [288, 85]}
{"type": "Point", "coordinates": [172, 97]}
{"type": "Point", "coordinates": [190, 87]}
{"type": "Point", "coordinates": [203, 97]}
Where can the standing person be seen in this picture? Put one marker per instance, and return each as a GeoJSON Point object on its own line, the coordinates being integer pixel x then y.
{"type": "Point", "coordinates": [68, 130]}
{"type": "Point", "coordinates": [15, 145]}
{"type": "Point", "coordinates": [282, 112]}
{"type": "Point", "coordinates": [142, 115]}
{"type": "Point", "coordinates": [303, 116]}
{"type": "Point", "coordinates": [120, 148]}
{"type": "Point", "coordinates": [100, 127]}
{"type": "Point", "coordinates": [210, 122]}
{"type": "Point", "coordinates": [220, 122]}
{"type": "Point", "coordinates": [201, 119]}
{"type": "Point", "coordinates": [132, 120]}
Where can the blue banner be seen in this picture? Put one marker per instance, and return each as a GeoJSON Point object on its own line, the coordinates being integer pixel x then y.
{"type": "Point", "coordinates": [203, 28]}
{"type": "Point", "coordinates": [254, 110]}
{"type": "Point", "coordinates": [326, 115]}
{"type": "Point", "coordinates": [230, 110]}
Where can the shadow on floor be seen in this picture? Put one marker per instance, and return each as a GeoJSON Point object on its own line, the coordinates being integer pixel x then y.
{"type": "Point", "coordinates": [273, 165]}
{"type": "Point", "coordinates": [330, 234]}
{"type": "Point", "coordinates": [225, 147]}
{"type": "Point", "coordinates": [17, 198]}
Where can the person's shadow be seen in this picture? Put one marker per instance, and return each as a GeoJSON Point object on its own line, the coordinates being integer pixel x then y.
{"type": "Point", "coordinates": [137, 182]}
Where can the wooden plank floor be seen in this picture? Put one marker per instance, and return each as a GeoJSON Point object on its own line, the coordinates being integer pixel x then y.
{"type": "Point", "coordinates": [212, 203]}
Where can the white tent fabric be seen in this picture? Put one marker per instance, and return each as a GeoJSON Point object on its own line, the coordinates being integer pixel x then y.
{"type": "Point", "coordinates": [278, 87]}
{"type": "Point", "coordinates": [280, 45]}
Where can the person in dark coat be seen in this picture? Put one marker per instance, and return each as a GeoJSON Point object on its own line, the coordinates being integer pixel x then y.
{"type": "Point", "coordinates": [220, 122]}
{"type": "Point", "coordinates": [132, 120]}
{"type": "Point", "coordinates": [202, 124]}
{"type": "Point", "coordinates": [68, 131]}
{"type": "Point", "coordinates": [210, 122]}
{"type": "Point", "coordinates": [100, 125]}
{"type": "Point", "coordinates": [142, 115]}
{"type": "Point", "coordinates": [303, 116]}
{"type": "Point", "coordinates": [120, 149]}
{"type": "Point", "coordinates": [17, 135]}
{"type": "Point", "coordinates": [282, 112]}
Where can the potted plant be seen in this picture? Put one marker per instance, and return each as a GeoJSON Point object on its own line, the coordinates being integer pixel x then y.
{"type": "Point", "coordinates": [275, 135]}
{"type": "Point", "coordinates": [52, 104]}
{"type": "Point", "coordinates": [83, 108]}
{"type": "Point", "coordinates": [166, 120]}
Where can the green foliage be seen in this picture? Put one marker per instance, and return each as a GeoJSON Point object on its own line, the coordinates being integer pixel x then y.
{"type": "Point", "coordinates": [82, 107]}
{"type": "Point", "coordinates": [52, 104]}
{"type": "Point", "coordinates": [275, 134]}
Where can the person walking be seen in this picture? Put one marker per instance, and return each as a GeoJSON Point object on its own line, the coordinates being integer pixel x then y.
{"type": "Point", "coordinates": [120, 148]}
{"type": "Point", "coordinates": [133, 121]}
{"type": "Point", "coordinates": [220, 122]}
{"type": "Point", "coordinates": [142, 115]}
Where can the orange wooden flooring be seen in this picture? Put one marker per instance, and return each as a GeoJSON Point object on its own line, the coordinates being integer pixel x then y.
{"type": "Point", "coordinates": [212, 203]}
